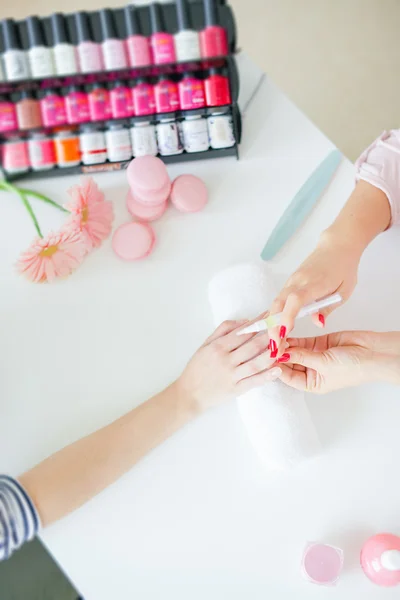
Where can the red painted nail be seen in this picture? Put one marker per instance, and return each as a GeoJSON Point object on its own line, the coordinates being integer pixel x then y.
{"type": "Point", "coordinates": [274, 349]}
{"type": "Point", "coordinates": [282, 332]}
{"type": "Point", "coordinates": [269, 345]}
{"type": "Point", "coordinates": [284, 358]}
{"type": "Point", "coordinates": [321, 319]}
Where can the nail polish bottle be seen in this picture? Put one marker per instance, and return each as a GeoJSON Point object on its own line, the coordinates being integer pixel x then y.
{"type": "Point", "coordinates": [14, 155]}
{"type": "Point", "coordinates": [187, 44]}
{"type": "Point", "coordinates": [28, 111]}
{"type": "Point", "coordinates": [39, 54]}
{"type": "Point", "coordinates": [118, 143]}
{"type": "Point", "coordinates": [15, 59]}
{"type": "Point", "coordinates": [220, 129]}
{"type": "Point", "coordinates": [166, 95]}
{"type": "Point", "coordinates": [64, 52]}
{"type": "Point", "coordinates": [162, 43]}
{"type": "Point", "coordinates": [143, 98]}
{"type": "Point", "coordinates": [42, 152]}
{"type": "Point", "coordinates": [213, 38]}
{"type": "Point", "coordinates": [99, 102]}
{"type": "Point", "coordinates": [89, 52]}
{"type": "Point", "coordinates": [113, 49]}
{"type": "Point", "coordinates": [143, 138]}
{"type": "Point", "coordinates": [137, 45]}
{"type": "Point", "coordinates": [76, 105]}
{"type": "Point", "coordinates": [168, 137]}
{"type": "Point", "coordinates": [195, 134]}
{"type": "Point", "coordinates": [121, 101]}
{"type": "Point", "coordinates": [216, 87]}
{"type": "Point", "coordinates": [8, 115]}
{"type": "Point", "coordinates": [52, 108]}
{"type": "Point", "coordinates": [191, 92]}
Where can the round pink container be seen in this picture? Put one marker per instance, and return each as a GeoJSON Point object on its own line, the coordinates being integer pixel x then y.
{"type": "Point", "coordinates": [145, 212]}
{"type": "Point", "coordinates": [322, 564]}
{"type": "Point", "coordinates": [380, 559]}
{"type": "Point", "coordinates": [189, 193]}
{"type": "Point", "coordinates": [147, 173]}
{"type": "Point", "coordinates": [133, 241]}
{"type": "Point", "coordinates": [152, 198]}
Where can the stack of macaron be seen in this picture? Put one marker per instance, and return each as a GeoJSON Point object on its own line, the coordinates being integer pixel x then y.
{"type": "Point", "coordinates": [150, 189]}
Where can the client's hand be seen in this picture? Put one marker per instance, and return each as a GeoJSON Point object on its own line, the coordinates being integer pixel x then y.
{"type": "Point", "coordinates": [227, 365]}
{"type": "Point", "coordinates": [349, 358]}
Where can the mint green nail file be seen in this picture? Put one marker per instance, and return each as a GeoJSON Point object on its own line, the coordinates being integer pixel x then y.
{"type": "Point", "coordinates": [301, 205]}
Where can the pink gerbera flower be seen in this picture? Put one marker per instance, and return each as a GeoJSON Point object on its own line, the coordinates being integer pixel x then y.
{"type": "Point", "coordinates": [92, 215]}
{"type": "Point", "coordinates": [56, 255]}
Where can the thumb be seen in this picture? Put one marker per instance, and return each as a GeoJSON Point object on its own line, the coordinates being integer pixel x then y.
{"type": "Point", "coordinates": [306, 358]}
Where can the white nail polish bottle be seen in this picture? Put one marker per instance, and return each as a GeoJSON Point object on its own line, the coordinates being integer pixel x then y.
{"type": "Point", "coordinates": [187, 44]}
{"type": "Point", "coordinates": [15, 59]}
{"type": "Point", "coordinates": [40, 55]}
{"type": "Point", "coordinates": [63, 51]}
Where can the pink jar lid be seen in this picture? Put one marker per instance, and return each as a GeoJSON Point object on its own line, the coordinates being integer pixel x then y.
{"type": "Point", "coordinates": [189, 193]}
{"type": "Point", "coordinates": [145, 212]}
{"type": "Point", "coordinates": [133, 241]}
{"type": "Point", "coordinates": [148, 173]}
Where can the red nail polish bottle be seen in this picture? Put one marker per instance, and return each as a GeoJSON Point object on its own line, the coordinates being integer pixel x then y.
{"type": "Point", "coordinates": [191, 92]}
{"type": "Point", "coordinates": [213, 38]}
{"type": "Point", "coordinates": [162, 42]}
{"type": "Point", "coordinates": [217, 88]}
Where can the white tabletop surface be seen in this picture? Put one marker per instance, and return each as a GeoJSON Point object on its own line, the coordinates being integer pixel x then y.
{"type": "Point", "coordinates": [199, 517]}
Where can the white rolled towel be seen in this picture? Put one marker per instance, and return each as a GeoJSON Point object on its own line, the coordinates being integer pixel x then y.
{"type": "Point", "coordinates": [275, 416]}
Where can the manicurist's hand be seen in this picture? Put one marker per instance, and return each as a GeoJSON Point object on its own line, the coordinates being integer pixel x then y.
{"type": "Point", "coordinates": [348, 358]}
{"type": "Point", "coordinates": [227, 365]}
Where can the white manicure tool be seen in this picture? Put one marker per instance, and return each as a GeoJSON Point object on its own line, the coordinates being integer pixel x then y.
{"type": "Point", "coordinates": [275, 320]}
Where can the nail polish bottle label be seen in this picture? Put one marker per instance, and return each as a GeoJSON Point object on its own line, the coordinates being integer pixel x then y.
{"type": "Point", "coordinates": [99, 104]}
{"type": "Point", "coordinates": [118, 144]}
{"type": "Point", "coordinates": [41, 61]}
{"type": "Point", "coordinates": [144, 140]}
{"type": "Point", "coordinates": [191, 94]}
{"type": "Point", "coordinates": [121, 103]}
{"type": "Point", "coordinates": [138, 50]}
{"type": "Point", "coordinates": [217, 90]}
{"type": "Point", "coordinates": [65, 59]}
{"type": "Point", "coordinates": [168, 139]}
{"type": "Point", "coordinates": [220, 128]}
{"type": "Point", "coordinates": [143, 99]}
{"type": "Point", "coordinates": [90, 57]}
{"type": "Point", "coordinates": [16, 65]}
{"type": "Point", "coordinates": [15, 157]}
{"type": "Point", "coordinates": [68, 151]}
{"type": "Point", "coordinates": [8, 117]}
{"type": "Point", "coordinates": [42, 153]}
{"type": "Point", "coordinates": [77, 107]}
{"type": "Point", "coordinates": [53, 110]}
{"type": "Point", "coordinates": [114, 54]}
{"type": "Point", "coordinates": [195, 135]}
{"type": "Point", "coordinates": [163, 48]}
{"type": "Point", "coordinates": [166, 96]}
{"type": "Point", "coordinates": [187, 45]}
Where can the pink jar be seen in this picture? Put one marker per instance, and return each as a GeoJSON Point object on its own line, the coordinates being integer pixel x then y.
{"type": "Point", "coordinates": [52, 108]}
{"type": "Point", "coordinates": [143, 98]}
{"type": "Point", "coordinates": [166, 95]}
{"type": "Point", "coordinates": [191, 93]}
{"type": "Point", "coordinates": [8, 115]}
{"type": "Point", "coordinates": [77, 105]}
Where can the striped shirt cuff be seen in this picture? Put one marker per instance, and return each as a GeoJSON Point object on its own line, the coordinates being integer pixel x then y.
{"type": "Point", "coordinates": [19, 520]}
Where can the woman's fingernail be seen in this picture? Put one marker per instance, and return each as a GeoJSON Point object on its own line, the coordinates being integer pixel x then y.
{"type": "Point", "coordinates": [274, 373]}
{"type": "Point", "coordinates": [282, 332]}
{"type": "Point", "coordinates": [321, 319]}
{"type": "Point", "coordinates": [284, 358]}
{"type": "Point", "coordinates": [274, 349]}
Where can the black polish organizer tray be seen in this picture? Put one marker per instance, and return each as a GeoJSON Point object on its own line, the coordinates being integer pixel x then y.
{"type": "Point", "coordinates": [225, 19]}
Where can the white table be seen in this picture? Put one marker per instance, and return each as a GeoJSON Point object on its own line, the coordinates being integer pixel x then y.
{"type": "Point", "coordinates": [198, 518]}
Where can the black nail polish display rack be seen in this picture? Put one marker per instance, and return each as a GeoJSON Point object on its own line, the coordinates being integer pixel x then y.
{"type": "Point", "coordinates": [200, 68]}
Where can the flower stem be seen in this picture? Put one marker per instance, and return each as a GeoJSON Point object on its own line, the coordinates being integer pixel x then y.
{"type": "Point", "coordinates": [12, 188]}
{"type": "Point", "coordinates": [43, 198]}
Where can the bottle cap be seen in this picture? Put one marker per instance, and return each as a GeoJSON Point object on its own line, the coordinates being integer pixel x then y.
{"type": "Point", "coordinates": [132, 21]}
{"type": "Point", "coordinates": [35, 32]}
{"type": "Point", "coordinates": [182, 13]}
{"type": "Point", "coordinates": [156, 20]}
{"type": "Point", "coordinates": [82, 27]}
{"type": "Point", "coordinates": [214, 71]}
{"type": "Point", "coordinates": [11, 39]}
{"type": "Point", "coordinates": [59, 29]}
{"type": "Point", "coordinates": [107, 24]}
{"type": "Point", "coordinates": [210, 13]}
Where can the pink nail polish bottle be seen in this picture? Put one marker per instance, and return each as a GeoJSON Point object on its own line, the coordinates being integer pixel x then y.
{"type": "Point", "coordinates": [191, 92]}
{"type": "Point", "coordinates": [162, 43]}
{"type": "Point", "coordinates": [89, 52]}
{"type": "Point", "coordinates": [77, 105]}
{"type": "Point", "coordinates": [121, 101]}
{"type": "Point", "coordinates": [213, 38]}
{"type": "Point", "coordinates": [166, 95]}
{"type": "Point", "coordinates": [113, 48]}
{"type": "Point", "coordinates": [8, 115]}
{"type": "Point", "coordinates": [143, 98]}
{"type": "Point", "coordinates": [138, 47]}
{"type": "Point", "coordinates": [99, 102]}
{"type": "Point", "coordinates": [52, 107]}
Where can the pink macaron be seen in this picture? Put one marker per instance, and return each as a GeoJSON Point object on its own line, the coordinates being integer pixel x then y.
{"type": "Point", "coordinates": [154, 197]}
{"type": "Point", "coordinates": [148, 174]}
{"type": "Point", "coordinates": [189, 193]}
{"type": "Point", "coordinates": [133, 241]}
{"type": "Point", "coordinates": [144, 212]}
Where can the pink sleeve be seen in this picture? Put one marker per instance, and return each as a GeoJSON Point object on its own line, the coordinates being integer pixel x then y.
{"type": "Point", "coordinates": [380, 165]}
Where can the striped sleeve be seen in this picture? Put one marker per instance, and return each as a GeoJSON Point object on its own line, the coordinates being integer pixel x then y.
{"type": "Point", "coordinates": [19, 520]}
